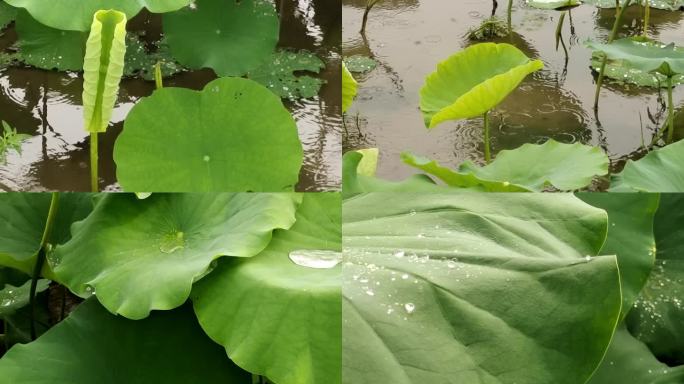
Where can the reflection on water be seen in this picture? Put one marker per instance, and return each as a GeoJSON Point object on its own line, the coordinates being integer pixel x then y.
{"type": "Point", "coordinates": [409, 38]}
{"type": "Point", "coordinates": [47, 105]}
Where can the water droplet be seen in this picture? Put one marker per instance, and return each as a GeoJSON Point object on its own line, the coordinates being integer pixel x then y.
{"type": "Point", "coordinates": [218, 31]}
{"type": "Point", "coordinates": [5, 302]}
{"type": "Point", "coordinates": [370, 292]}
{"type": "Point", "coordinates": [451, 264]}
{"type": "Point", "coordinates": [315, 258]}
{"type": "Point", "coordinates": [171, 242]}
{"type": "Point", "coordinates": [399, 254]}
{"type": "Point", "coordinates": [405, 276]}
{"type": "Point", "coordinates": [206, 158]}
{"type": "Point", "coordinates": [409, 307]}
{"type": "Point", "coordinates": [587, 258]}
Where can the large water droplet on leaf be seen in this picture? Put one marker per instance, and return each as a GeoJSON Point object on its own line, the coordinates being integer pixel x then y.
{"type": "Point", "coordinates": [171, 242]}
{"type": "Point", "coordinates": [321, 259]}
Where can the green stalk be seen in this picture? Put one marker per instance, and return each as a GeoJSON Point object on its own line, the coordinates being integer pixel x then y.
{"type": "Point", "coordinates": [647, 17]}
{"type": "Point", "coordinates": [40, 259]}
{"type": "Point", "coordinates": [510, 17]}
{"type": "Point", "coordinates": [158, 78]}
{"type": "Point", "coordinates": [488, 155]}
{"type": "Point", "coordinates": [670, 111]}
{"type": "Point", "coordinates": [613, 33]}
{"type": "Point", "coordinates": [94, 180]}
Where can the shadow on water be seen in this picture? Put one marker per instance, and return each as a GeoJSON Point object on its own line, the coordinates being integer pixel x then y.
{"type": "Point", "coordinates": [47, 105]}
{"type": "Point", "coordinates": [409, 38]}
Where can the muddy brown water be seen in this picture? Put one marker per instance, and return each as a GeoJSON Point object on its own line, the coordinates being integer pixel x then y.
{"type": "Point", "coordinates": [409, 37]}
{"type": "Point", "coordinates": [47, 105]}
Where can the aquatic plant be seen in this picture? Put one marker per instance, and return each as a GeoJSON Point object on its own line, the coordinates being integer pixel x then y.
{"type": "Point", "coordinates": [102, 70]}
{"type": "Point", "coordinates": [349, 88]}
{"type": "Point", "coordinates": [493, 72]}
{"type": "Point", "coordinates": [369, 5]}
{"type": "Point", "coordinates": [10, 140]}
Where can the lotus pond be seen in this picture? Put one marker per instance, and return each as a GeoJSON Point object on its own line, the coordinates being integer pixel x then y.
{"type": "Point", "coordinates": [404, 40]}
{"type": "Point", "coordinates": [290, 48]}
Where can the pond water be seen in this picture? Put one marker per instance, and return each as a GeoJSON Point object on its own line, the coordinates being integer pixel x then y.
{"type": "Point", "coordinates": [47, 105]}
{"type": "Point", "coordinates": [409, 37]}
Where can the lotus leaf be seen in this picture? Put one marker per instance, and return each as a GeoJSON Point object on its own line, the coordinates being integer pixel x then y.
{"type": "Point", "coordinates": [369, 163]}
{"type": "Point", "coordinates": [659, 171]}
{"type": "Point", "coordinates": [554, 4]}
{"type": "Point", "coordinates": [355, 183]}
{"type": "Point", "coordinates": [23, 217]}
{"type": "Point", "coordinates": [140, 255]}
{"type": "Point", "coordinates": [49, 48]}
{"type": "Point", "coordinates": [235, 135]}
{"type": "Point", "coordinates": [630, 237]}
{"type": "Point", "coordinates": [621, 71]}
{"type": "Point", "coordinates": [278, 74]}
{"type": "Point", "coordinates": [349, 88]}
{"type": "Point", "coordinates": [230, 37]}
{"type": "Point", "coordinates": [140, 62]}
{"type": "Point", "coordinates": [658, 315]}
{"type": "Point", "coordinates": [645, 55]}
{"type": "Point", "coordinates": [132, 352]}
{"type": "Point", "coordinates": [473, 81]}
{"type": "Point", "coordinates": [660, 4]}
{"type": "Point", "coordinates": [564, 166]}
{"type": "Point", "coordinates": [7, 14]}
{"type": "Point", "coordinates": [77, 15]}
{"type": "Point", "coordinates": [102, 68]}
{"type": "Point", "coordinates": [475, 288]}
{"type": "Point", "coordinates": [277, 318]}
{"type": "Point", "coordinates": [13, 298]}
{"type": "Point", "coordinates": [360, 64]}
{"type": "Point", "coordinates": [629, 361]}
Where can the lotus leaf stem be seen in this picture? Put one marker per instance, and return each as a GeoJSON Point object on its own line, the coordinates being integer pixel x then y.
{"type": "Point", "coordinates": [40, 259]}
{"type": "Point", "coordinates": [94, 180]}
{"type": "Point", "coordinates": [510, 17]}
{"type": "Point", "coordinates": [488, 155]}
{"type": "Point", "coordinates": [559, 34]}
{"type": "Point", "coordinates": [158, 78]}
{"type": "Point", "coordinates": [647, 17]}
{"type": "Point", "coordinates": [670, 111]}
{"type": "Point", "coordinates": [613, 33]}
{"type": "Point", "coordinates": [369, 5]}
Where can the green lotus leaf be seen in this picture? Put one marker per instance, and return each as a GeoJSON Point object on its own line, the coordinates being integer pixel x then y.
{"type": "Point", "coordinates": [354, 183]}
{"type": "Point", "coordinates": [276, 318]}
{"type": "Point", "coordinates": [660, 4]}
{"type": "Point", "coordinates": [629, 361]}
{"type": "Point", "coordinates": [13, 298]}
{"type": "Point", "coordinates": [643, 54]}
{"type": "Point", "coordinates": [235, 135]}
{"type": "Point", "coordinates": [102, 68]}
{"type": "Point", "coordinates": [230, 37]}
{"type": "Point", "coordinates": [278, 74]}
{"type": "Point", "coordinates": [621, 71]}
{"type": "Point", "coordinates": [369, 163]}
{"type": "Point", "coordinates": [360, 64]}
{"type": "Point", "coordinates": [7, 14]}
{"type": "Point", "coordinates": [473, 81]}
{"type": "Point", "coordinates": [77, 15]}
{"type": "Point", "coordinates": [23, 217]}
{"type": "Point", "coordinates": [658, 314]}
{"type": "Point", "coordinates": [132, 352]}
{"type": "Point", "coordinates": [554, 4]}
{"type": "Point", "coordinates": [49, 48]}
{"type": "Point", "coordinates": [475, 288]}
{"type": "Point", "coordinates": [659, 171]}
{"type": "Point", "coordinates": [630, 237]}
{"type": "Point", "coordinates": [349, 88]}
{"type": "Point", "coordinates": [140, 255]}
{"type": "Point", "coordinates": [564, 166]}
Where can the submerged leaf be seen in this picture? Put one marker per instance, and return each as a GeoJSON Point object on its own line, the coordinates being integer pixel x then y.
{"type": "Point", "coordinates": [77, 15]}
{"type": "Point", "coordinates": [659, 171]}
{"type": "Point", "coordinates": [554, 4]}
{"type": "Point", "coordinates": [141, 255]}
{"type": "Point", "coordinates": [621, 71]}
{"type": "Point", "coordinates": [235, 135]}
{"type": "Point", "coordinates": [49, 48]}
{"type": "Point", "coordinates": [140, 62]}
{"type": "Point", "coordinates": [475, 288]}
{"type": "Point", "coordinates": [102, 68]}
{"type": "Point", "coordinates": [531, 167]}
{"type": "Point", "coordinates": [168, 348]}
{"type": "Point", "coordinates": [277, 318]}
{"type": "Point", "coordinates": [230, 37]}
{"type": "Point", "coordinates": [473, 81]}
{"type": "Point", "coordinates": [278, 74]}
{"type": "Point", "coordinates": [349, 88]}
{"type": "Point", "coordinates": [359, 64]}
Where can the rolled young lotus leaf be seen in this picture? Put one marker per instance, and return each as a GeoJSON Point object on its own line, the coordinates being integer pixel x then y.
{"type": "Point", "coordinates": [102, 68]}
